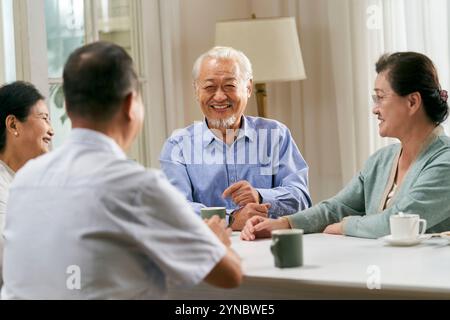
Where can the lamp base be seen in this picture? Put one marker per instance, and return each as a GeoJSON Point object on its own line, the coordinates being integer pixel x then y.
{"type": "Point", "coordinates": [261, 99]}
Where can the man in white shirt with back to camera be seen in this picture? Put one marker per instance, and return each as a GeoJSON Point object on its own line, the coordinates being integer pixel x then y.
{"type": "Point", "coordinates": [83, 222]}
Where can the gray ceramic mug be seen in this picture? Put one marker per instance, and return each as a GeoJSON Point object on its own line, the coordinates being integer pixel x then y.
{"type": "Point", "coordinates": [208, 213]}
{"type": "Point", "coordinates": [287, 248]}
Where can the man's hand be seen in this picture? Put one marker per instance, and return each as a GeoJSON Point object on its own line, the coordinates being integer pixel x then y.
{"type": "Point", "coordinates": [259, 227]}
{"type": "Point", "coordinates": [218, 226]}
{"type": "Point", "coordinates": [241, 216]}
{"type": "Point", "coordinates": [335, 228]}
{"type": "Point", "coordinates": [242, 193]}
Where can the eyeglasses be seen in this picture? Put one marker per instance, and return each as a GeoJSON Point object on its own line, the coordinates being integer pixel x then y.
{"type": "Point", "coordinates": [377, 100]}
{"type": "Point", "coordinates": [44, 117]}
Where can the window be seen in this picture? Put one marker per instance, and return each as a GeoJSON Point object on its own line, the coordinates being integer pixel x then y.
{"type": "Point", "coordinates": [45, 32]}
{"type": "Point", "coordinates": [7, 45]}
{"type": "Point", "coordinates": [71, 24]}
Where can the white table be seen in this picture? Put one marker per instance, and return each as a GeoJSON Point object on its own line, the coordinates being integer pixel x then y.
{"type": "Point", "coordinates": [338, 267]}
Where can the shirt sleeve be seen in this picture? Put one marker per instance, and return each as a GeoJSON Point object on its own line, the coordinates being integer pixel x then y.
{"type": "Point", "coordinates": [428, 197]}
{"type": "Point", "coordinates": [171, 235]}
{"type": "Point", "coordinates": [349, 202]}
{"type": "Point", "coordinates": [174, 167]}
{"type": "Point", "coordinates": [291, 193]}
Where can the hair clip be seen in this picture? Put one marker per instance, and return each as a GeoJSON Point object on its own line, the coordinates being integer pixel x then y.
{"type": "Point", "coordinates": [444, 95]}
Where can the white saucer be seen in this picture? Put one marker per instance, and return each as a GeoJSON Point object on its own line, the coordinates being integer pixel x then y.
{"type": "Point", "coordinates": [406, 242]}
{"type": "Point", "coordinates": [445, 235]}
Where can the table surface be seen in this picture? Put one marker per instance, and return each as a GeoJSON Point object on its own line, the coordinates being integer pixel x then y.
{"type": "Point", "coordinates": [347, 262]}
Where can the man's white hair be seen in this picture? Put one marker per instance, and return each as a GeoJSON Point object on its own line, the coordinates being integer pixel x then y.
{"type": "Point", "coordinates": [228, 53]}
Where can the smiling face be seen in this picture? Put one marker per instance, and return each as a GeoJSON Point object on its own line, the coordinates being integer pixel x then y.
{"type": "Point", "coordinates": [390, 108]}
{"type": "Point", "coordinates": [35, 133]}
{"type": "Point", "coordinates": [222, 92]}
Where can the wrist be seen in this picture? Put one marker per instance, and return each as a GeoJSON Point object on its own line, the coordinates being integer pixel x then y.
{"type": "Point", "coordinates": [284, 223]}
{"type": "Point", "coordinates": [232, 217]}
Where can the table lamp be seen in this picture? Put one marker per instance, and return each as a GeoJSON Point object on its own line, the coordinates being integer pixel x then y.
{"type": "Point", "coordinates": [272, 46]}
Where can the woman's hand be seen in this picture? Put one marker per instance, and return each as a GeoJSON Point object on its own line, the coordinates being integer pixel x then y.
{"type": "Point", "coordinates": [335, 228]}
{"type": "Point", "coordinates": [260, 227]}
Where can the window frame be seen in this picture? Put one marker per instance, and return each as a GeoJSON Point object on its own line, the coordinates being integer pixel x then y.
{"type": "Point", "coordinates": [32, 65]}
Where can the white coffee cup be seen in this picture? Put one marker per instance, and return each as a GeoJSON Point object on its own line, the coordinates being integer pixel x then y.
{"type": "Point", "coordinates": [406, 226]}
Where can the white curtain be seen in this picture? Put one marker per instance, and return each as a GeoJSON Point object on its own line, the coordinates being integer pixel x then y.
{"type": "Point", "coordinates": [308, 107]}
{"type": "Point", "coordinates": [7, 50]}
{"type": "Point", "coordinates": [360, 32]}
{"type": "Point", "coordinates": [172, 63]}
{"type": "Point", "coordinates": [423, 26]}
{"type": "Point", "coordinates": [161, 56]}
{"type": "Point", "coordinates": [330, 112]}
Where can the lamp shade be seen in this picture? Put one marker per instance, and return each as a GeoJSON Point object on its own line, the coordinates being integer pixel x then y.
{"type": "Point", "coordinates": [272, 46]}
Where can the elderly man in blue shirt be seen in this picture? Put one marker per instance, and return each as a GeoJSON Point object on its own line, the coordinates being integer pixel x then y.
{"type": "Point", "coordinates": [249, 165]}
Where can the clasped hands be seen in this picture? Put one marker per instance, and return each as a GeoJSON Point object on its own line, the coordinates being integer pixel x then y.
{"type": "Point", "coordinates": [248, 199]}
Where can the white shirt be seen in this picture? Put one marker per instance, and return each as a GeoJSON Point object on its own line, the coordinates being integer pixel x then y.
{"type": "Point", "coordinates": [84, 212]}
{"type": "Point", "coordinates": [6, 177]}
{"type": "Point", "coordinates": [391, 195]}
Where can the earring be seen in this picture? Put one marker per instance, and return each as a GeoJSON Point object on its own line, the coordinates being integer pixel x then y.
{"type": "Point", "coordinates": [16, 133]}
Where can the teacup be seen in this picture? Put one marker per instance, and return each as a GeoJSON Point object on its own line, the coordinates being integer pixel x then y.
{"type": "Point", "coordinates": [406, 226]}
{"type": "Point", "coordinates": [208, 213]}
{"type": "Point", "coordinates": [287, 248]}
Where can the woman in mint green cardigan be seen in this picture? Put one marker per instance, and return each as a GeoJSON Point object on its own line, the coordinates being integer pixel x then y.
{"type": "Point", "coordinates": [413, 176]}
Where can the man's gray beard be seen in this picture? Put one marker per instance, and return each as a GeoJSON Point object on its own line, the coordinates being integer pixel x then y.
{"type": "Point", "coordinates": [222, 123]}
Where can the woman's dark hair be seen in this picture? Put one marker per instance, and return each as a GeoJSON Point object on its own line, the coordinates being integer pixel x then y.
{"type": "Point", "coordinates": [409, 72]}
{"type": "Point", "coordinates": [16, 99]}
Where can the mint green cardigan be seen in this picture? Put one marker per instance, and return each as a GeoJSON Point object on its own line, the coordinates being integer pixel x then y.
{"type": "Point", "coordinates": [425, 190]}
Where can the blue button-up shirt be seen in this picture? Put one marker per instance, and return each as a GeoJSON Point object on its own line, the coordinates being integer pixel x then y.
{"type": "Point", "coordinates": [202, 166]}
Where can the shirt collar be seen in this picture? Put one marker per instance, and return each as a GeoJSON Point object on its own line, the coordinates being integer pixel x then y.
{"type": "Point", "coordinates": [98, 139]}
{"type": "Point", "coordinates": [245, 131]}
{"type": "Point", "coordinates": [439, 131]}
{"type": "Point", "coordinates": [10, 171]}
